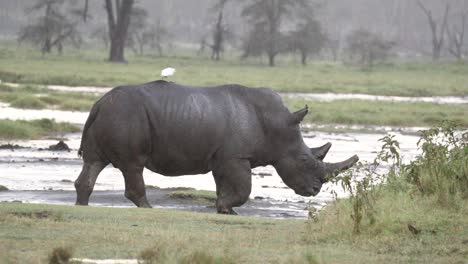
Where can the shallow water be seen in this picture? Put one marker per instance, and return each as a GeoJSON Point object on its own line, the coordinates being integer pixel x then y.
{"type": "Point", "coordinates": [7, 112]}
{"type": "Point", "coordinates": [310, 96]}
{"type": "Point", "coordinates": [40, 176]}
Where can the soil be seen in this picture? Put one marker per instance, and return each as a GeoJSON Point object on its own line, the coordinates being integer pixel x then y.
{"type": "Point", "coordinates": [160, 198]}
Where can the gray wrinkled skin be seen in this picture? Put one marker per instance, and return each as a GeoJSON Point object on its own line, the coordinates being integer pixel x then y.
{"type": "Point", "coordinates": [178, 130]}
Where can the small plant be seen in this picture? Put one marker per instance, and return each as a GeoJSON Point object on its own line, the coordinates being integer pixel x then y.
{"type": "Point", "coordinates": [60, 255]}
{"type": "Point", "coordinates": [152, 255]}
{"type": "Point", "coordinates": [362, 181]}
{"type": "Point", "coordinates": [201, 257]}
{"type": "Point", "coordinates": [442, 168]}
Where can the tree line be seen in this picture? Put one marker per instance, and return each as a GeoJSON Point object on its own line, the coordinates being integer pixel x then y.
{"type": "Point", "coordinates": [273, 27]}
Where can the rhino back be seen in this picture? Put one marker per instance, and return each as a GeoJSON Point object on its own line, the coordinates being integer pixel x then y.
{"type": "Point", "coordinates": [188, 128]}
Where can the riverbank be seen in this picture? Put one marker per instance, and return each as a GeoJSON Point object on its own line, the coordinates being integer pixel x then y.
{"type": "Point", "coordinates": [30, 232]}
{"type": "Point", "coordinates": [358, 115]}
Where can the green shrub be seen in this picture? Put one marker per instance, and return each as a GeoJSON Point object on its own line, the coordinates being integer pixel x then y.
{"type": "Point", "coordinates": [28, 101]}
{"type": "Point", "coordinates": [21, 129]}
{"type": "Point", "coordinates": [442, 168]}
{"type": "Point", "coordinates": [60, 255]}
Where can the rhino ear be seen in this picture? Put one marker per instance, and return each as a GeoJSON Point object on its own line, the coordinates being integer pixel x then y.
{"type": "Point", "coordinates": [299, 115]}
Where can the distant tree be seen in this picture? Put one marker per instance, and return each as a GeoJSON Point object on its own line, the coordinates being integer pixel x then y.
{"type": "Point", "coordinates": [365, 48]}
{"type": "Point", "coordinates": [266, 17]}
{"type": "Point", "coordinates": [202, 47]}
{"type": "Point", "coordinates": [118, 20]}
{"type": "Point", "coordinates": [158, 35]}
{"type": "Point", "coordinates": [100, 34]}
{"type": "Point", "coordinates": [456, 36]}
{"type": "Point", "coordinates": [437, 29]}
{"type": "Point", "coordinates": [50, 30]}
{"type": "Point", "coordinates": [333, 44]}
{"type": "Point", "coordinates": [220, 31]}
{"type": "Point", "coordinates": [137, 36]}
{"type": "Point", "coordinates": [308, 38]}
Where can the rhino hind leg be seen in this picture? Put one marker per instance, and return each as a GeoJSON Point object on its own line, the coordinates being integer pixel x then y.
{"type": "Point", "coordinates": [233, 184]}
{"type": "Point", "coordinates": [135, 186]}
{"type": "Point", "coordinates": [84, 184]}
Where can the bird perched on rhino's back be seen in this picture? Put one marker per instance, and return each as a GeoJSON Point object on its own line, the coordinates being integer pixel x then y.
{"type": "Point", "coordinates": [167, 72]}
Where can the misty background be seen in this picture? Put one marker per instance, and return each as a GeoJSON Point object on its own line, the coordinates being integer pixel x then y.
{"type": "Point", "coordinates": [403, 23]}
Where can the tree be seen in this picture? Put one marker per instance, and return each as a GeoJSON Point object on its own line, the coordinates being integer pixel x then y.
{"type": "Point", "coordinates": [101, 34]}
{"type": "Point", "coordinates": [307, 39]}
{"type": "Point", "coordinates": [137, 36]}
{"type": "Point", "coordinates": [366, 47]}
{"type": "Point", "coordinates": [266, 17]}
{"type": "Point", "coordinates": [438, 31]}
{"type": "Point", "coordinates": [118, 20]}
{"type": "Point", "coordinates": [52, 29]}
{"type": "Point", "coordinates": [157, 35]}
{"type": "Point", "coordinates": [220, 31]}
{"type": "Point", "coordinates": [457, 37]}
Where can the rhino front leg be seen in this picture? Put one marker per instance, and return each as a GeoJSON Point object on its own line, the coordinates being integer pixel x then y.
{"type": "Point", "coordinates": [135, 186]}
{"type": "Point", "coordinates": [233, 184]}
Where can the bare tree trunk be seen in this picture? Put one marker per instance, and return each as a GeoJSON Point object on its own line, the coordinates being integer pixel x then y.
{"type": "Point", "coordinates": [303, 57]}
{"type": "Point", "coordinates": [118, 27]}
{"type": "Point", "coordinates": [437, 36]}
{"type": "Point", "coordinates": [271, 59]}
{"type": "Point", "coordinates": [457, 38]}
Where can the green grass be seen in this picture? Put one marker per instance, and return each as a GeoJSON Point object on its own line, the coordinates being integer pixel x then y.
{"type": "Point", "coordinates": [29, 233]}
{"type": "Point", "coordinates": [347, 112]}
{"type": "Point", "coordinates": [20, 129]}
{"type": "Point", "coordinates": [88, 67]}
{"type": "Point", "coordinates": [32, 97]}
{"type": "Point", "coordinates": [380, 113]}
{"type": "Point", "coordinates": [402, 222]}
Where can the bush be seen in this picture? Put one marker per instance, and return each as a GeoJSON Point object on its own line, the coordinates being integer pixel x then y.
{"type": "Point", "coordinates": [365, 48]}
{"type": "Point", "coordinates": [28, 101]}
{"type": "Point", "coordinates": [60, 255]}
{"type": "Point", "coordinates": [442, 168]}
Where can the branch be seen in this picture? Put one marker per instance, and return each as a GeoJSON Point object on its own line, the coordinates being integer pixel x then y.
{"type": "Point", "coordinates": [420, 4]}
{"type": "Point", "coordinates": [85, 11]}
{"type": "Point", "coordinates": [444, 26]}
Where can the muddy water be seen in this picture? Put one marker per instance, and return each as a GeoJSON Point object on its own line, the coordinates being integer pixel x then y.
{"type": "Point", "coordinates": [39, 176]}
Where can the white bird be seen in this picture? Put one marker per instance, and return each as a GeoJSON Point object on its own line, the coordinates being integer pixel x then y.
{"type": "Point", "coordinates": [167, 72]}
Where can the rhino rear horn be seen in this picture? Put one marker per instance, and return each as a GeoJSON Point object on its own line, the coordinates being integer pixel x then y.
{"type": "Point", "coordinates": [321, 152]}
{"type": "Point", "coordinates": [299, 115]}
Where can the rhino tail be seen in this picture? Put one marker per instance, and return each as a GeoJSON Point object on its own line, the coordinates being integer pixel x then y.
{"type": "Point", "coordinates": [92, 116]}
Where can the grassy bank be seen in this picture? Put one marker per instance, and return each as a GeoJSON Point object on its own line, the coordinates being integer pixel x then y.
{"type": "Point", "coordinates": [28, 233]}
{"type": "Point", "coordinates": [417, 216]}
{"type": "Point", "coordinates": [31, 97]}
{"type": "Point", "coordinates": [380, 113]}
{"type": "Point", "coordinates": [88, 67]}
{"type": "Point", "coordinates": [20, 129]}
{"type": "Point", "coordinates": [346, 112]}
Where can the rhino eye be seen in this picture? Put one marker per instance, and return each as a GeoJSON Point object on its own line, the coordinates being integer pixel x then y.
{"type": "Point", "coordinates": [304, 157]}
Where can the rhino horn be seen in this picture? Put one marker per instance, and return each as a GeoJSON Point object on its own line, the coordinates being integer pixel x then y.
{"type": "Point", "coordinates": [299, 115]}
{"type": "Point", "coordinates": [332, 169]}
{"type": "Point", "coordinates": [322, 151]}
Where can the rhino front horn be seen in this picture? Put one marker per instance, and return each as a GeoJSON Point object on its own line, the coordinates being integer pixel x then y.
{"type": "Point", "coordinates": [333, 169]}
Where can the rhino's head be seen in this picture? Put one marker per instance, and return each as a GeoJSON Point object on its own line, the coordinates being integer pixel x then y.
{"type": "Point", "coordinates": [302, 168]}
